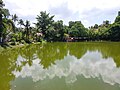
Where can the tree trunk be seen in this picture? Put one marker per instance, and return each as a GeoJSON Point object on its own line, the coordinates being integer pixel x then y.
{"type": "Point", "coordinates": [1, 27]}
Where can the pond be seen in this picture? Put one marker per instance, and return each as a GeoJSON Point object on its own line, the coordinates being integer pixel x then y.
{"type": "Point", "coordinates": [61, 66]}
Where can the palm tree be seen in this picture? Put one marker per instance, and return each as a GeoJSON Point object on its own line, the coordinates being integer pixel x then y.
{"type": "Point", "coordinates": [44, 23]}
{"type": "Point", "coordinates": [27, 32]}
{"type": "Point", "coordinates": [14, 18]}
{"type": "Point", "coordinates": [20, 22]}
{"type": "Point", "coordinates": [6, 13]}
{"type": "Point", "coordinates": [27, 28]}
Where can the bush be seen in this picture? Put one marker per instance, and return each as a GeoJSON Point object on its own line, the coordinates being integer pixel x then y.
{"type": "Point", "coordinates": [22, 41]}
{"type": "Point", "coordinates": [12, 43]}
{"type": "Point", "coordinates": [17, 43]}
{"type": "Point", "coordinates": [13, 40]}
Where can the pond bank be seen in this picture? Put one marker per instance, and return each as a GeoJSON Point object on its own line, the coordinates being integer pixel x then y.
{"type": "Point", "coordinates": [8, 46]}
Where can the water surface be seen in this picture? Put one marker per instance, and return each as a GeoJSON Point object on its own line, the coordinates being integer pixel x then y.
{"type": "Point", "coordinates": [61, 66]}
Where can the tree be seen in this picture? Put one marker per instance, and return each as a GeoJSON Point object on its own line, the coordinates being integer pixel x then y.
{"type": "Point", "coordinates": [103, 32]}
{"type": "Point", "coordinates": [96, 26]}
{"type": "Point", "coordinates": [4, 13]}
{"type": "Point", "coordinates": [117, 20]}
{"type": "Point", "coordinates": [71, 23]}
{"type": "Point", "coordinates": [27, 32]}
{"type": "Point", "coordinates": [45, 24]}
{"type": "Point", "coordinates": [20, 22]}
{"type": "Point", "coordinates": [114, 32]}
{"type": "Point", "coordinates": [58, 26]}
{"type": "Point", "coordinates": [1, 25]}
{"type": "Point", "coordinates": [14, 18]}
{"type": "Point", "coordinates": [77, 29]}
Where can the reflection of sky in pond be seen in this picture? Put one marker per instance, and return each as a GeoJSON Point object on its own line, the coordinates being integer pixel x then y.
{"type": "Point", "coordinates": [91, 65]}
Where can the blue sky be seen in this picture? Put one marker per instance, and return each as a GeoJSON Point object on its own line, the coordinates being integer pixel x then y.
{"type": "Point", "coordinates": [87, 11]}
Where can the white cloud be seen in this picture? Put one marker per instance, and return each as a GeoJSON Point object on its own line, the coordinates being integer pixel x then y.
{"type": "Point", "coordinates": [90, 65]}
{"type": "Point", "coordinates": [32, 7]}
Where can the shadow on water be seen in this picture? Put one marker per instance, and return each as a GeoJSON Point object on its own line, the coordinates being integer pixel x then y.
{"type": "Point", "coordinates": [61, 63]}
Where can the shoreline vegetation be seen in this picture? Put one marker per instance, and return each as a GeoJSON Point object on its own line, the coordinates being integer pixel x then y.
{"type": "Point", "coordinates": [15, 32]}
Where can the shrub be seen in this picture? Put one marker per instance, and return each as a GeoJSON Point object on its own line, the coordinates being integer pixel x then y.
{"type": "Point", "coordinates": [22, 41]}
{"type": "Point", "coordinates": [13, 40]}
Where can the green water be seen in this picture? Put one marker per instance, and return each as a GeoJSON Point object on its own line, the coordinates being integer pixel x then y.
{"type": "Point", "coordinates": [61, 66]}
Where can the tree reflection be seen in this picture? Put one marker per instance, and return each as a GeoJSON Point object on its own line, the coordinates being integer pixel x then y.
{"type": "Point", "coordinates": [51, 52]}
{"type": "Point", "coordinates": [7, 65]}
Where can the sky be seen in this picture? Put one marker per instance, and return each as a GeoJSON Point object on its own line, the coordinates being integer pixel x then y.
{"type": "Point", "coordinates": [89, 12]}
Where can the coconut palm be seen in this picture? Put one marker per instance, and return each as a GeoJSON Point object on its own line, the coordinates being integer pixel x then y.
{"type": "Point", "coordinates": [45, 23]}
{"type": "Point", "coordinates": [14, 18]}
{"type": "Point", "coordinates": [20, 22]}
{"type": "Point", "coordinates": [27, 27]}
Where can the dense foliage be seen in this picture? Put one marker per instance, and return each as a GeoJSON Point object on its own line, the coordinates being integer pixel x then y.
{"type": "Point", "coordinates": [15, 31]}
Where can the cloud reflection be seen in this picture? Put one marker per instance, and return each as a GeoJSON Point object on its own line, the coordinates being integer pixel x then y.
{"type": "Point", "coordinates": [91, 65]}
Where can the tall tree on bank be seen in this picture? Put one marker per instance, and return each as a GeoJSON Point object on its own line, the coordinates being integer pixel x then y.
{"type": "Point", "coordinates": [20, 22]}
{"type": "Point", "coordinates": [114, 30]}
{"type": "Point", "coordinates": [59, 30]}
{"type": "Point", "coordinates": [26, 32]}
{"type": "Point", "coordinates": [77, 29]}
{"type": "Point", "coordinates": [4, 13]}
{"type": "Point", "coordinates": [1, 15]}
{"type": "Point", "coordinates": [44, 23]}
{"type": "Point", "coordinates": [14, 18]}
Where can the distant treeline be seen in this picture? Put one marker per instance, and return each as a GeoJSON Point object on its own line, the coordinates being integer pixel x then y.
{"type": "Point", "coordinates": [14, 30]}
